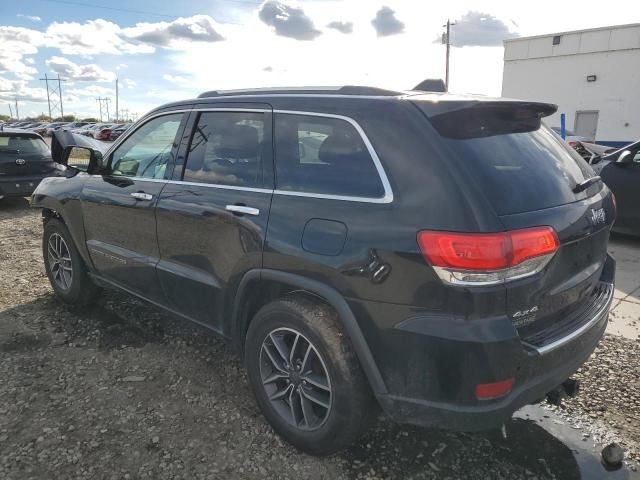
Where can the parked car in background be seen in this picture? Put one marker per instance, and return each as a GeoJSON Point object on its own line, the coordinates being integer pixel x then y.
{"type": "Point", "coordinates": [452, 288]}
{"type": "Point", "coordinates": [104, 131]}
{"type": "Point", "coordinates": [82, 130]}
{"type": "Point", "coordinates": [25, 159]}
{"type": "Point", "coordinates": [620, 171]}
{"type": "Point", "coordinates": [116, 132]}
{"type": "Point", "coordinates": [41, 129]}
{"type": "Point", "coordinates": [47, 128]}
{"type": "Point", "coordinates": [31, 126]}
{"type": "Point", "coordinates": [72, 126]}
{"type": "Point", "coordinates": [571, 138]}
{"type": "Point", "coordinates": [90, 129]}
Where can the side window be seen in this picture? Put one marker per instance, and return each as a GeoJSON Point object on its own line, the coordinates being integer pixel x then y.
{"type": "Point", "coordinates": [323, 155]}
{"type": "Point", "coordinates": [148, 151]}
{"type": "Point", "coordinates": [226, 149]}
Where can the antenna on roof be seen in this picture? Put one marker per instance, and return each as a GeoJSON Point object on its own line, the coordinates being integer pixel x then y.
{"type": "Point", "coordinates": [431, 85]}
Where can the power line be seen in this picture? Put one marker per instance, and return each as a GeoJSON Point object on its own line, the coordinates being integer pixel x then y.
{"type": "Point", "coordinates": [142, 12]}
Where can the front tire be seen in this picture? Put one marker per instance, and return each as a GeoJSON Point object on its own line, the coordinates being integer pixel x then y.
{"type": "Point", "coordinates": [65, 268]}
{"type": "Point", "coordinates": [306, 377]}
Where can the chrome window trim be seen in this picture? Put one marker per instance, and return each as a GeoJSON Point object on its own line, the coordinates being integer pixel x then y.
{"type": "Point", "coordinates": [388, 193]}
{"type": "Point", "coordinates": [386, 198]}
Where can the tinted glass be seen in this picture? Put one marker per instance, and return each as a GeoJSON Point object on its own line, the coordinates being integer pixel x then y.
{"type": "Point", "coordinates": [518, 162]}
{"type": "Point", "coordinates": [227, 149]}
{"type": "Point", "coordinates": [148, 151]}
{"type": "Point", "coordinates": [323, 155]}
{"type": "Point", "coordinates": [23, 144]}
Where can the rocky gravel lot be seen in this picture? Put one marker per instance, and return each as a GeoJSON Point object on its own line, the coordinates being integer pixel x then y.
{"type": "Point", "coordinates": [121, 390]}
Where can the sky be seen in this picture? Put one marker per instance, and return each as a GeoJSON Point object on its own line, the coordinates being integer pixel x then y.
{"type": "Point", "coordinates": [166, 50]}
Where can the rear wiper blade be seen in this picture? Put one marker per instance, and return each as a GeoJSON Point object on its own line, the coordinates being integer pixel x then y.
{"type": "Point", "coordinates": [586, 184]}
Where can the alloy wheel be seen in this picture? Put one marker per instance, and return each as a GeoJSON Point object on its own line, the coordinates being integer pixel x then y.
{"type": "Point", "coordinates": [295, 379]}
{"type": "Point", "coordinates": [60, 263]}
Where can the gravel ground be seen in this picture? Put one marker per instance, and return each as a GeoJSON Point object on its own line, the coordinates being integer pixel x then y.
{"type": "Point", "coordinates": [121, 390]}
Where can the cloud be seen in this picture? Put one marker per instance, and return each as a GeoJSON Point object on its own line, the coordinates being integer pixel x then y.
{"type": "Point", "coordinates": [479, 29]}
{"type": "Point", "coordinates": [268, 68]}
{"type": "Point", "coordinates": [128, 83]}
{"type": "Point", "coordinates": [288, 21]}
{"type": "Point", "coordinates": [93, 37]}
{"type": "Point", "coordinates": [198, 28]}
{"type": "Point", "coordinates": [9, 90]}
{"type": "Point", "coordinates": [386, 23]}
{"type": "Point", "coordinates": [342, 27]}
{"type": "Point", "coordinates": [16, 43]}
{"type": "Point", "coordinates": [90, 91]}
{"type": "Point", "coordinates": [83, 73]}
{"type": "Point", "coordinates": [178, 80]}
{"type": "Point", "coordinates": [33, 18]}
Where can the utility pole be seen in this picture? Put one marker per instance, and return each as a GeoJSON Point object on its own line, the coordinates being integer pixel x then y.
{"type": "Point", "coordinates": [54, 89]}
{"type": "Point", "coordinates": [46, 81]}
{"type": "Point", "coordinates": [104, 104]}
{"type": "Point", "coordinates": [117, 99]}
{"type": "Point", "coordinates": [10, 111]}
{"type": "Point", "coordinates": [17, 113]}
{"type": "Point", "coordinates": [446, 39]}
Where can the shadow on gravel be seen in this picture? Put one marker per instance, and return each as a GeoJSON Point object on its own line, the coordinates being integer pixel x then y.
{"type": "Point", "coordinates": [527, 448]}
{"type": "Point", "coordinates": [14, 207]}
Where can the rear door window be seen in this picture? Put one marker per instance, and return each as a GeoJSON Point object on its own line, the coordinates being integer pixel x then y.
{"type": "Point", "coordinates": [516, 160]}
{"type": "Point", "coordinates": [324, 155]}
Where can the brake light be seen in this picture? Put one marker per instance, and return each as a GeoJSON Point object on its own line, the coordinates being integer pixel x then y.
{"type": "Point", "coordinates": [489, 391]}
{"type": "Point", "coordinates": [488, 258]}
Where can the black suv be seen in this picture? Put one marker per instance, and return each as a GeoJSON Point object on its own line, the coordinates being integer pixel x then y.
{"type": "Point", "coordinates": [25, 159]}
{"type": "Point", "coordinates": [441, 257]}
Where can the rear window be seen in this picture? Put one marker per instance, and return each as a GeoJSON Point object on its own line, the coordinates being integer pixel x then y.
{"type": "Point", "coordinates": [518, 162]}
{"type": "Point", "coordinates": [22, 144]}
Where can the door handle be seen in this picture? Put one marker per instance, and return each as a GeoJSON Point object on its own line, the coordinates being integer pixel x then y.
{"type": "Point", "coordinates": [141, 196]}
{"type": "Point", "coordinates": [243, 210]}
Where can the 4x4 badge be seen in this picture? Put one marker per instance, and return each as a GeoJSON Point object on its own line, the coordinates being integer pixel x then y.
{"type": "Point", "coordinates": [598, 216]}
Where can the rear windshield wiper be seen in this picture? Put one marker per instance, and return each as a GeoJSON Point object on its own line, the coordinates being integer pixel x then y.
{"type": "Point", "coordinates": [586, 184]}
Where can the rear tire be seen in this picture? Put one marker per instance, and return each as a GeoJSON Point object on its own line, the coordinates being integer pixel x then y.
{"type": "Point", "coordinates": [65, 268]}
{"type": "Point", "coordinates": [296, 351]}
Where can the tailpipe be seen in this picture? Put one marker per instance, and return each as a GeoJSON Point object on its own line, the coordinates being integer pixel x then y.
{"type": "Point", "coordinates": [568, 388]}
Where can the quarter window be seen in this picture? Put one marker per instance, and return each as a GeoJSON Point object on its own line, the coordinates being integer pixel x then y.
{"type": "Point", "coordinates": [149, 150]}
{"type": "Point", "coordinates": [323, 155]}
{"type": "Point", "coordinates": [227, 149]}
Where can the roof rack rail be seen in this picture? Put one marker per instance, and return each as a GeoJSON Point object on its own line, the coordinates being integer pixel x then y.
{"type": "Point", "coordinates": [344, 90]}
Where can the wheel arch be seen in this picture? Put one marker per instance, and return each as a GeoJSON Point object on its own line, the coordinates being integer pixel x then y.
{"type": "Point", "coordinates": [244, 306]}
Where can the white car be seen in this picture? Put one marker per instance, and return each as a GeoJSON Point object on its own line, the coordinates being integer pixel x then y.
{"type": "Point", "coordinates": [571, 138]}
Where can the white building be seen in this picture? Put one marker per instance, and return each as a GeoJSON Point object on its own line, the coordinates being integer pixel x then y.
{"type": "Point", "coordinates": [592, 75]}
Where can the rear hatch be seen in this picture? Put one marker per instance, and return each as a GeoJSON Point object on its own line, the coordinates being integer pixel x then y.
{"type": "Point", "coordinates": [23, 154]}
{"type": "Point", "coordinates": [531, 178]}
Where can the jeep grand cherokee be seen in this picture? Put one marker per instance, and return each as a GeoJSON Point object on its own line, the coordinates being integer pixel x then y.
{"type": "Point", "coordinates": [442, 257]}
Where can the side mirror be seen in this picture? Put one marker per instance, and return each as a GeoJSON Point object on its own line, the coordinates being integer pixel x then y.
{"type": "Point", "coordinates": [625, 157]}
{"type": "Point", "coordinates": [83, 158]}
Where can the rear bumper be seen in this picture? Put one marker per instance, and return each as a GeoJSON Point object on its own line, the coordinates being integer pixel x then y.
{"type": "Point", "coordinates": [20, 186]}
{"type": "Point", "coordinates": [434, 365]}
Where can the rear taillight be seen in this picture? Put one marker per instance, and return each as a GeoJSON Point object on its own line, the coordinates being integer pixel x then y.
{"type": "Point", "coordinates": [489, 391]}
{"type": "Point", "coordinates": [488, 258]}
